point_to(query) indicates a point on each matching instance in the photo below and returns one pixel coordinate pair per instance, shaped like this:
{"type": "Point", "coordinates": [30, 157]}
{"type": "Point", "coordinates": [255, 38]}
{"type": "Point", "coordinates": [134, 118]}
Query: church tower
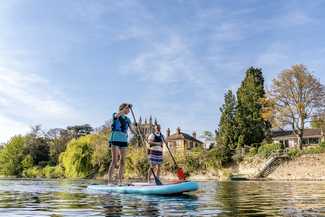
{"type": "Point", "coordinates": [147, 127]}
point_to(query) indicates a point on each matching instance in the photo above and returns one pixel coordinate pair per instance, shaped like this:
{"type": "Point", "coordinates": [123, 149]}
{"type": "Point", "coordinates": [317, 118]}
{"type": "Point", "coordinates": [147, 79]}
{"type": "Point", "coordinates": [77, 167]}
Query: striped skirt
{"type": "Point", "coordinates": [156, 157]}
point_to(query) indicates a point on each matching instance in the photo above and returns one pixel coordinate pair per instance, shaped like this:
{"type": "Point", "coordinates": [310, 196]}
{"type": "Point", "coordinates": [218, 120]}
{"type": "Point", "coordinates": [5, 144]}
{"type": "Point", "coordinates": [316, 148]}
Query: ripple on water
{"type": "Point", "coordinates": [45, 197]}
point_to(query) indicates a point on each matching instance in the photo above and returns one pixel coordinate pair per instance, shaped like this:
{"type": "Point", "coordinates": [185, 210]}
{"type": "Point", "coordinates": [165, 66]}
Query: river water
{"type": "Point", "coordinates": [70, 197]}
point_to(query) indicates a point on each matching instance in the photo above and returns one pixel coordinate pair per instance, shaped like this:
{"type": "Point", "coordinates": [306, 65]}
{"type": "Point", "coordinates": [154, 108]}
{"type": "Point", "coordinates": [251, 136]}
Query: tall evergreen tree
{"type": "Point", "coordinates": [250, 125]}
{"type": "Point", "coordinates": [226, 132]}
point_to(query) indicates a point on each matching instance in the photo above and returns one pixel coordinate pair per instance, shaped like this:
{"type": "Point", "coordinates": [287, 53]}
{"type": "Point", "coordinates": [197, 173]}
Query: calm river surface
{"type": "Point", "coordinates": [68, 197]}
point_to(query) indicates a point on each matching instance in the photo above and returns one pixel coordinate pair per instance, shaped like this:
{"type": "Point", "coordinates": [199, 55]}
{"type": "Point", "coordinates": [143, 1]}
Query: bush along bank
{"type": "Point", "coordinates": [90, 157]}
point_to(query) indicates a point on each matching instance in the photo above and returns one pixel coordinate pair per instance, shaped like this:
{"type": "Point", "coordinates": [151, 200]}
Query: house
{"type": "Point", "coordinates": [182, 141]}
{"type": "Point", "coordinates": [289, 139]}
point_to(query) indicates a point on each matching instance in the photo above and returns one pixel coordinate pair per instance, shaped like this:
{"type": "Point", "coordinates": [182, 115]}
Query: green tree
{"type": "Point", "coordinates": [58, 139]}
{"type": "Point", "coordinates": [11, 156]}
{"type": "Point", "coordinates": [28, 162]}
{"type": "Point", "coordinates": [80, 130]}
{"type": "Point", "coordinates": [226, 134]}
{"type": "Point", "coordinates": [87, 156]}
{"type": "Point", "coordinates": [77, 158]}
{"type": "Point", "coordinates": [251, 127]}
{"type": "Point", "coordinates": [36, 145]}
{"type": "Point", "coordinates": [317, 122]}
{"type": "Point", "coordinates": [295, 97]}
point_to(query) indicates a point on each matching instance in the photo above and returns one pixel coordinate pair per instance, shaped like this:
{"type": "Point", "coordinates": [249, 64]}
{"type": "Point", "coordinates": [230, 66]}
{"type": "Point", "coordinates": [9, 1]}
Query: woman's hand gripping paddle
{"type": "Point", "coordinates": [180, 173]}
{"type": "Point", "coordinates": [158, 182]}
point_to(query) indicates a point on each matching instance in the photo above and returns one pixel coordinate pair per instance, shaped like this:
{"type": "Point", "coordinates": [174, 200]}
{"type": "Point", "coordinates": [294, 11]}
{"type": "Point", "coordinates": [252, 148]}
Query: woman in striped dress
{"type": "Point", "coordinates": [155, 156]}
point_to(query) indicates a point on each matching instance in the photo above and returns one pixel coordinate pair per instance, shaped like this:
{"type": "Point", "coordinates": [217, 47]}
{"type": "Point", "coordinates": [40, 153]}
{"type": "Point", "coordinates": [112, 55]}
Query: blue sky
{"type": "Point", "coordinates": [74, 62]}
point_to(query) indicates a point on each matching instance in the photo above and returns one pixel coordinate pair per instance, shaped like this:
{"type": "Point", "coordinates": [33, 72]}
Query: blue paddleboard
{"type": "Point", "coordinates": [153, 189]}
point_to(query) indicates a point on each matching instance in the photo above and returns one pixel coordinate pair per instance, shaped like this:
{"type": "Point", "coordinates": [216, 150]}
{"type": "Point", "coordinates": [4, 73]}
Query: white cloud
{"type": "Point", "coordinates": [30, 96]}
{"type": "Point", "coordinates": [9, 128]}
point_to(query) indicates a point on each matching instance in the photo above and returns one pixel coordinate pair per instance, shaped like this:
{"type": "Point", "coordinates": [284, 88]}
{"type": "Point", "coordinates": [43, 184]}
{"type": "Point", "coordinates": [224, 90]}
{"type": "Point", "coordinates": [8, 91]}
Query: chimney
{"type": "Point", "coordinates": [194, 135]}
{"type": "Point", "coordinates": [178, 131]}
{"type": "Point", "coordinates": [168, 132]}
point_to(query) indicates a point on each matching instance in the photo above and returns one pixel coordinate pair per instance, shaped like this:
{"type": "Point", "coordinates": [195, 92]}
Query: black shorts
{"type": "Point", "coordinates": [119, 144]}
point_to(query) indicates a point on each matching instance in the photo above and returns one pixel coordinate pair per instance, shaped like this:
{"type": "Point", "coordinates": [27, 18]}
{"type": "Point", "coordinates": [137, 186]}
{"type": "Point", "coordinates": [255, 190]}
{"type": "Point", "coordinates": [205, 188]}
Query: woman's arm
{"type": "Point", "coordinates": [133, 130]}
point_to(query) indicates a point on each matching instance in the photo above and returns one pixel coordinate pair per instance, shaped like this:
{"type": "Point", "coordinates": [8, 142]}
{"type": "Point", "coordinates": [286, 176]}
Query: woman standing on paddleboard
{"type": "Point", "coordinates": [155, 156]}
{"type": "Point", "coordinates": [119, 142]}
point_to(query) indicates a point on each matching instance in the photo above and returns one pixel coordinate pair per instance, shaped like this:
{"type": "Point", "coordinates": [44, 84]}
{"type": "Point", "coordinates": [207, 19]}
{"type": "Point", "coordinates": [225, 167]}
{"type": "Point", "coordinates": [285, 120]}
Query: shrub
{"type": "Point", "coordinates": [321, 145]}
{"type": "Point", "coordinates": [221, 156]}
{"type": "Point", "coordinates": [136, 163]}
{"type": "Point", "coordinates": [253, 150]}
{"type": "Point", "coordinates": [33, 172]}
{"type": "Point", "coordinates": [255, 145]}
{"type": "Point", "coordinates": [226, 173]}
{"type": "Point", "coordinates": [237, 157]}
{"type": "Point", "coordinates": [293, 152]}
{"type": "Point", "coordinates": [310, 147]}
{"type": "Point", "coordinates": [53, 172]}
{"type": "Point", "coordinates": [266, 149]}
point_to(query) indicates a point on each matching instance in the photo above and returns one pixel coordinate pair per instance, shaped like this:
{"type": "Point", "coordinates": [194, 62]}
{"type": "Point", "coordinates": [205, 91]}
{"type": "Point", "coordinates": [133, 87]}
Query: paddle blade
{"type": "Point", "coordinates": [158, 182]}
{"type": "Point", "coordinates": [180, 174]}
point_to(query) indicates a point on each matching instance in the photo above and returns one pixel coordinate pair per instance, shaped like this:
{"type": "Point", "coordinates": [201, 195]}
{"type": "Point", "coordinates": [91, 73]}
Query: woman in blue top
{"type": "Point", "coordinates": [118, 141]}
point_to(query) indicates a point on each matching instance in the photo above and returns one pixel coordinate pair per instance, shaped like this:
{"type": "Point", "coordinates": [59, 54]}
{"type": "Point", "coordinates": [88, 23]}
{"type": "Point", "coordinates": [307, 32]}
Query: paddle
{"type": "Point", "coordinates": [158, 182]}
{"type": "Point", "coordinates": [180, 173]}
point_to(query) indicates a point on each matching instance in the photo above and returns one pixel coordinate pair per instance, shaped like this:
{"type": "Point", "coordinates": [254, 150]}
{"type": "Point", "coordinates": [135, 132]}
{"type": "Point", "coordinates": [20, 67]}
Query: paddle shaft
{"type": "Point", "coordinates": [180, 173]}
{"type": "Point", "coordinates": [168, 149]}
{"type": "Point", "coordinates": [158, 182]}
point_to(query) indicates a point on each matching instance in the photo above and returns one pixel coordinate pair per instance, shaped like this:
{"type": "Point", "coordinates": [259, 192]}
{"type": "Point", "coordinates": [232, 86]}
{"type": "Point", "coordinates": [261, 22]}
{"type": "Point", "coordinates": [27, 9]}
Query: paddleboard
{"type": "Point", "coordinates": [154, 184]}
{"type": "Point", "coordinates": [149, 189]}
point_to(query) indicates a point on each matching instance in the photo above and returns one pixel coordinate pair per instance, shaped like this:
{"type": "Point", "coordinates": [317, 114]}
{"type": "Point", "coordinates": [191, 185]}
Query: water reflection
{"type": "Point", "coordinates": [50, 197]}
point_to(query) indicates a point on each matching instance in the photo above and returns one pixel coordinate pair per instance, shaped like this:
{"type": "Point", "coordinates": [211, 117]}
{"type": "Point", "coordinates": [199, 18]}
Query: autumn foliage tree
{"type": "Point", "coordinates": [294, 98]}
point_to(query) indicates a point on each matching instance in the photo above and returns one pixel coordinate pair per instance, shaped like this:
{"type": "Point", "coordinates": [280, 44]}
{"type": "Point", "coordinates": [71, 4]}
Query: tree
{"type": "Point", "coordinates": [36, 145]}
{"type": "Point", "coordinates": [317, 122]}
{"type": "Point", "coordinates": [11, 156]}
{"type": "Point", "coordinates": [208, 138]}
{"type": "Point", "coordinates": [226, 133]}
{"type": "Point", "coordinates": [250, 126]}
{"type": "Point", "coordinates": [294, 98]}
{"type": "Point", "coordinates": [58, 139]}
{"type": "Point", "coordinates": [80, 130]}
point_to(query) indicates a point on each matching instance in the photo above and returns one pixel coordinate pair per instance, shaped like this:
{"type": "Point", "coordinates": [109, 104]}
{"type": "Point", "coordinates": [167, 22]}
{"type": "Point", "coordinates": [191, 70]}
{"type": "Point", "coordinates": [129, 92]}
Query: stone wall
{"type": "Point", "coordinates": [305, 167]}
{"type": "Point", "coordinates": [247, 167]}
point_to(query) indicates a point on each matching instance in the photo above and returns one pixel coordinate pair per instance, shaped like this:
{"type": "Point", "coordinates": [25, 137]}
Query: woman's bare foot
{"type": "Point", "coordinates": [110, 184]}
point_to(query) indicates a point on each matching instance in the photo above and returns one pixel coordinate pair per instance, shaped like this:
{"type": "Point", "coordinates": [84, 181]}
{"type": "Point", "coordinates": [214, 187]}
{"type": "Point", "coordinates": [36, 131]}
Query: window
{"type": "Point", "coordinates": [188, 144]}
{"type": "Point", "coordinates": [178, 143]}
{"type": "Point", "coordinates": [313, 141]}
{"type": "Point", "coordinates": [305, 141]}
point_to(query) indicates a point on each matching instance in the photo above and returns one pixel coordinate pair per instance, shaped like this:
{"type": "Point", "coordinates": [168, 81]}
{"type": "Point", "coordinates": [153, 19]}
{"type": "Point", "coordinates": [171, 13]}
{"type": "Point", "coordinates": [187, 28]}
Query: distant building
{"type": "Point", "coordinates": [182, 141]}
{"type": "Point", "coordinates": [289, 139]}
{"type": "Point", "coordinates": [147, 128]}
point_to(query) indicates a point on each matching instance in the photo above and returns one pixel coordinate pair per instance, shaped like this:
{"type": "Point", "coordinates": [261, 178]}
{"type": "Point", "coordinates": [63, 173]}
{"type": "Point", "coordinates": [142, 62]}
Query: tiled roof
{"type": "Point", "coordinates": [290, 134]}
{"type": "Point", "coordinates": [182, 136]}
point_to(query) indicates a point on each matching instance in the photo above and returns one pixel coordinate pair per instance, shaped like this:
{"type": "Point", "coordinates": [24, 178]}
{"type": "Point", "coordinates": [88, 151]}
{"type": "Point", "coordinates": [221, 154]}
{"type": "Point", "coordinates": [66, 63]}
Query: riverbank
{"type": "Point", "coordinates": [308, 167]}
